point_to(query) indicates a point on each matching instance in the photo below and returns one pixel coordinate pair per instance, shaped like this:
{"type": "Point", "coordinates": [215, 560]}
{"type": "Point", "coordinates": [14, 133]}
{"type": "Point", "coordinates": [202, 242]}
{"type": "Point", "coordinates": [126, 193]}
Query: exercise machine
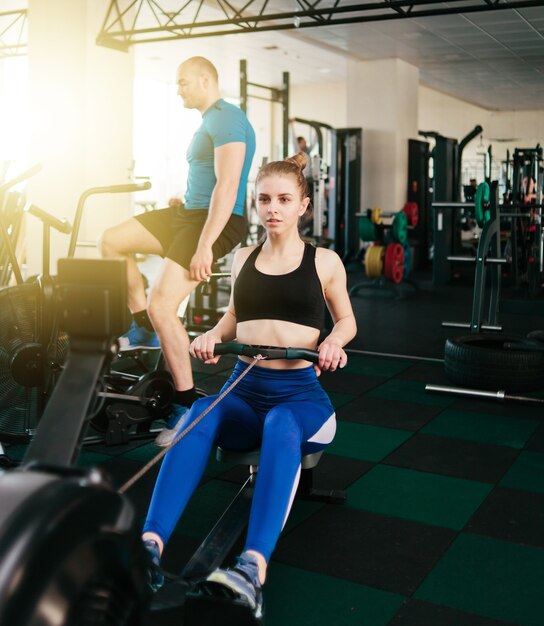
{"type": "Point", "coordinates": [69, 541]}
{"type": "Point", "coordinates": [32, 349]}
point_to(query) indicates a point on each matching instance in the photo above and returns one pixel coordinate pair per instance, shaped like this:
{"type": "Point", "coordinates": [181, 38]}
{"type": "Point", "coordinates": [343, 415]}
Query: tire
{"type": "Point", "coordinates": [485, 361]}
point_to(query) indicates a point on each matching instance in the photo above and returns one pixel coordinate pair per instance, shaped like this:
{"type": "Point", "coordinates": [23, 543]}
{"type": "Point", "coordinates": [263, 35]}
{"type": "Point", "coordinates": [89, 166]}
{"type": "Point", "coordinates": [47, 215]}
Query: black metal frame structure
{"type": "Point", "coordinates": [129, 22]}
{"type": "Point", "coordinates": [279, 95]}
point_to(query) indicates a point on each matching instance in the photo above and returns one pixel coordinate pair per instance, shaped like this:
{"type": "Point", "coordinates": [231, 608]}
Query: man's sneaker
{"type": "Point", "coordinates": [155, 578]}
{"type": "Point", "coordinates": [138, 337]}
{"type": "Point", "coordinates": [243, 579]}
{"type": "Point", "coordinates": [175, 422]}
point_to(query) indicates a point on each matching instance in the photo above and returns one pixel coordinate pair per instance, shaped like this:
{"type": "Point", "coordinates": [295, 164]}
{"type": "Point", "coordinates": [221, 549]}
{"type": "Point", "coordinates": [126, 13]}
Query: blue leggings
{"type": "Point", "coordinates": [286, 412]}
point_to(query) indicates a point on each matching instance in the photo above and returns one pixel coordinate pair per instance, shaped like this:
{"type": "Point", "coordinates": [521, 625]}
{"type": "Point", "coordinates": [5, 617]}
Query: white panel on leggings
{"type": "Point", "coordinates": [326, 433]}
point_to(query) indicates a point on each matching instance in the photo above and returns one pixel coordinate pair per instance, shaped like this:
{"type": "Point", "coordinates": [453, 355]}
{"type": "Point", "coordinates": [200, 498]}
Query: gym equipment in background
{"type": "Point", "coordinates": [32, 349]}
{"type": "Point", "coordinates": [388, 259]}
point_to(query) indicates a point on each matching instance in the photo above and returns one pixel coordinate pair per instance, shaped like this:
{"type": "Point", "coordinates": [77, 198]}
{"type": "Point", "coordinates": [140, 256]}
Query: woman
{"type": "Point", "coordinates": [279, 292]}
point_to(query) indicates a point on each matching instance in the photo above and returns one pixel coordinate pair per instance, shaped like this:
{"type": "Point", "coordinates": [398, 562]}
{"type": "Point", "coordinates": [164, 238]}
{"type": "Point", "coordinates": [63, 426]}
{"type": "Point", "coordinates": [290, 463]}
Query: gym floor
{"type": "Point", "coordinates": [444, 519]}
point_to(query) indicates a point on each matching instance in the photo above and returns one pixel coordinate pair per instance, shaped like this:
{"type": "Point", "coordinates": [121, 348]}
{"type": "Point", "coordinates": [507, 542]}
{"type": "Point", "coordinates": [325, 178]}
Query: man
{"type": "Point", "coordinates": [190, 237]}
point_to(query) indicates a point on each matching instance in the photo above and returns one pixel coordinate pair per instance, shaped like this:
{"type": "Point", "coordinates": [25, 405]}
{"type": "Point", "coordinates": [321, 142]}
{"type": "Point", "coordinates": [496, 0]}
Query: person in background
{"type": "Point", "coordinates": [191, 235]}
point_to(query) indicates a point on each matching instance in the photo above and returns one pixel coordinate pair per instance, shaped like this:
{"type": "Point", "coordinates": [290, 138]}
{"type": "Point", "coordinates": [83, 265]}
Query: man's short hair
{"type": "Point", "coordinates": [200, 64]}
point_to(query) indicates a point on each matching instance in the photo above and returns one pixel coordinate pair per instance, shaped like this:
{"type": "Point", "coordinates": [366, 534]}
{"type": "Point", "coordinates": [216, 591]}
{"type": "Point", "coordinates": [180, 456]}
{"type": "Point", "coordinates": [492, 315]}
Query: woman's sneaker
{"type": "Point", "coordinates": [243, 579]}
{"type": "Point", "coordinates": [138, 337]}
{"type": "Point", "coordinates": [175, 422]}
{"type": "Point", "coordinates": [155, 578]}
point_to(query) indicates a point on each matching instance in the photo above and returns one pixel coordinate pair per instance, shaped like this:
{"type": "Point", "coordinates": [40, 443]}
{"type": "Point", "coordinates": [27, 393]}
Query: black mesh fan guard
{"type": "Point", "coordinates": [21, 405]}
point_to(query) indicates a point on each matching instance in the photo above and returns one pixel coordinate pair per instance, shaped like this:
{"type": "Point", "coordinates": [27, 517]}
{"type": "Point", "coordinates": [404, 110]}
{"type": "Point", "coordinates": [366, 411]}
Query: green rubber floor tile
{"type": "Point", "coordinates": [89, 459]}
{"type": "Point", "coordinates": [143, 453]}
{"type": "Point", "coordinates": [365, 442]}
{"type": "Point", "coordinates": [408, 391]}
{"type": "Point", "coordinates": [526, 473]}
{"type": "Point", "coordinates": [489, 577]}
{"type": "Point", "coordinates": [16, 452]}
{"type": "Point", "coordinates": [340, 399]}
{"type": "Point", "coordinates": [483, 427]}
{"type": "Point", "coordinates": [418, 496]}
{"type": "Point", "coordinates": [375, 366]}
{"type": "Point", "coordinates": [215, 467]}
{"type": "Point", "coordinates": [293, 596]}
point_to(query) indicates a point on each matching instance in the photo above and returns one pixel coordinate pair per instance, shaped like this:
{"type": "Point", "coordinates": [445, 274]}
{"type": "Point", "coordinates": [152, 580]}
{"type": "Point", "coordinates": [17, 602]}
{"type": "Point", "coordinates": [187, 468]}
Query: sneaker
{"type": "Point", "coordinates": [243, 579]}
{"type": "Point", "coordinates": [155, 578]}
{"type": "Point", "coordinates": [175, 422]}
{"type": "Point", "coordinates": [138, 337]}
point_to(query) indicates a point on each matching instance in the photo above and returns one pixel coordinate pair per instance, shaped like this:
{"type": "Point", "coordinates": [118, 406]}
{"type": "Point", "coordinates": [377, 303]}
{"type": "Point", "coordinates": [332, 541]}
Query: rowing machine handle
{"type": "Point", "coordinates": [270, 352]}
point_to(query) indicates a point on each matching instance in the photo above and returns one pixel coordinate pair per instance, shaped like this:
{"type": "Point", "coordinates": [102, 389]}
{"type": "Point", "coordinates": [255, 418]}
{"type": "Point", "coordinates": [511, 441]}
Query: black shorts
{"type": "Point", "coordinates": [178, 231]}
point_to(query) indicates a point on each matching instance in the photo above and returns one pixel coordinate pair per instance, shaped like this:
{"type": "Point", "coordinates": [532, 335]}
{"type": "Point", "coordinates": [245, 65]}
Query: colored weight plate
{"type": "Point", "coordinates": [376, 215]}
{"type": "Point", "coordinates": [481, 204]}
{"type": "Point", "coordinates": [394, 262]}
{"type": "Point", "coordinates": [374, 261]}
{"type": "Point", "coordinates": [367, 229]}
{"type": "Point", "coordinates": [407, 260]}
{"type": "Point", "coordinates": [412, 212]}
{"type": "Point", "coordinates": [399, 228]}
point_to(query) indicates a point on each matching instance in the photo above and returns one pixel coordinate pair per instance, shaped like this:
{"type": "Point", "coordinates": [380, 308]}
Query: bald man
{"type": "Point", "coordinates": [210, 224]}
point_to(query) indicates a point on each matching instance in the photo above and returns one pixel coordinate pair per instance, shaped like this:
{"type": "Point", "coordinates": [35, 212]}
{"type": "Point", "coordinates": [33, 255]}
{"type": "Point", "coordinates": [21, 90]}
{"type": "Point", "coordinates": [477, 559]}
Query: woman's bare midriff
{"type": "Point", "coordinates": [280, 334]}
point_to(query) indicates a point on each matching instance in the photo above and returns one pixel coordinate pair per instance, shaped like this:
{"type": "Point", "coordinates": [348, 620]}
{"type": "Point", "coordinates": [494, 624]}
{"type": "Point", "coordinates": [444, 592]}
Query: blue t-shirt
{"type": "Point", "coordinates": [221, 123]}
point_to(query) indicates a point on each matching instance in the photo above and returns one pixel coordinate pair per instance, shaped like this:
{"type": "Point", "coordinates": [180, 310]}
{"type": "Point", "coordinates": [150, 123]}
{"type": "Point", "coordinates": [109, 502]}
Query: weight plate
{"type": "Point", "coordinates": [481, 204]}
{"type": "Point", "coordinates": [412, 212]}
{"type": "Point", "coordinates": [367, 229]}
{"type": "Point", "coordinates": [394, 262]}
{"type": "Point", "coordinates": [374, 261]}
{"type": "Point", "coordinates": [376, 215]}
{"type": "Point", "coordinates": [399, 228]}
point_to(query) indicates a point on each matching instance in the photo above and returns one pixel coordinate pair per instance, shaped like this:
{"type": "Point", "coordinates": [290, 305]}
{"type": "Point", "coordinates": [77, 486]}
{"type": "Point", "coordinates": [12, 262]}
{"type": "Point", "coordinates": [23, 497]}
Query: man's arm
{"type": "Point", "coordinates": [228, 164]}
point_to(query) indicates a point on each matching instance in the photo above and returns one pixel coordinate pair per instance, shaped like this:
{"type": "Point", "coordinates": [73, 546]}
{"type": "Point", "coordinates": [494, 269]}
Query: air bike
{"type": "Point", "coordinates": [70, 547]}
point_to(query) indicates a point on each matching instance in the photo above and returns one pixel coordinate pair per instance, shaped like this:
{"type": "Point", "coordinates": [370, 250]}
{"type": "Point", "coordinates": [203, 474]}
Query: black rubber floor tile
{"type": "Point", "coordinates": [511, 515]}
{"type": "Point", "coordinates": [338, 472]}
{"type": "Point", "coordinates": [454, 457]}
{"type": "Point", "coordinates": [346, 382]}
{"type": "Point", "coordinates": [431, 372]}
{"type": "Point", "coordinates": [332, 472]}
{"type": "Point", "coordinates": [419, 613]}
{"type": "Point", "coordinates": [536, 442]}
{"type": "Point", "coordinates": [120, 470]}
{"type": "Point", "coordinates": [388, 413]}
{"type": "Point", "coordinates": [381, 552]}
{"type": "Point", "coordinates": [496, 407]}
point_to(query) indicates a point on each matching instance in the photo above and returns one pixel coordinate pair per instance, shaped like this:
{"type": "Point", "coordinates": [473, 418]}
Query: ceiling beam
{"type": "Point", "coordinates": [130, 22]}
{"type": "Point", "coordinates": [13, 33]}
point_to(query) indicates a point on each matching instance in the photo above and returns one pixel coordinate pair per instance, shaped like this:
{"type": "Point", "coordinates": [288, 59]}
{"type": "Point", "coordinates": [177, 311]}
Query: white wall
{"type": "Point", "coordinates": [503, 130]}
{"type": "Point", "coordinates": [81, 120]}
{"type": "Point", "coordinates": [321, 102]}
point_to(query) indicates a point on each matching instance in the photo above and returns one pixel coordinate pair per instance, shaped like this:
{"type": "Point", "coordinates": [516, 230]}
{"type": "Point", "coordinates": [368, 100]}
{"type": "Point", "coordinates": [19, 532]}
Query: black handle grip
{"type": "Point", "coordinates": [269, 352]}
{"type": "Point", "coordinates": [63, 226]}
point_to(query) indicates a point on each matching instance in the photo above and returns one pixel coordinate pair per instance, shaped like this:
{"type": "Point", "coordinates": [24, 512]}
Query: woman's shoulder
{"type": "Point", "coordinates": [327, 256]}
{"type": "Point", "coordinates": [240, 257]}
{"type": "Point", "coordinates": [327, 262]}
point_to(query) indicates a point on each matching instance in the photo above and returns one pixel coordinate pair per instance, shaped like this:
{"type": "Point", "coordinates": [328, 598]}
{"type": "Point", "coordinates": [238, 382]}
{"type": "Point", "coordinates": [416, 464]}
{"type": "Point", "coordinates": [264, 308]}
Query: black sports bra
{"type": "Point", "coordinates": [293, 297]}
